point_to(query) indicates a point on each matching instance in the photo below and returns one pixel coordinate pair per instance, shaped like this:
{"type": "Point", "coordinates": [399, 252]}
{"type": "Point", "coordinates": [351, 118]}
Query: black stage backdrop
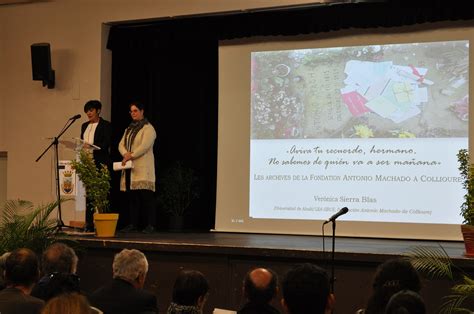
{"type": "Point", "coordinates": [178, 86]}
{"type": "Point", "coordinates": [170, 65]}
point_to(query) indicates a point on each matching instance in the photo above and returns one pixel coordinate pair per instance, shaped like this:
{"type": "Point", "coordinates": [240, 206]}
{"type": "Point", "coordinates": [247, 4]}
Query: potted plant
{"type": "Point", "coordinates": [24, 225]}
{"type": "Point", "coordinates": [177, 191]}
{"type": "Point", "coordinates": [435, 263]}
{"type": "Point", "coordinates": [467, 208]}
{"type": "Point", "coordinates": [97, 184]}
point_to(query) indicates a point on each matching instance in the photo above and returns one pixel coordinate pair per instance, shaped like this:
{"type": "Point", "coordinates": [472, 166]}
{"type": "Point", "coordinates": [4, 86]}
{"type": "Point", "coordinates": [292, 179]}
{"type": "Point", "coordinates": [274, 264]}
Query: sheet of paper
{"type": "Point", "coordinates": [118, 165]}
{"type": "Point", "coordinates": [222, 311]}
{"type": "Point", "coordinates": [382, 106]}
{"type": "Point", "coordinates": [355, 103]}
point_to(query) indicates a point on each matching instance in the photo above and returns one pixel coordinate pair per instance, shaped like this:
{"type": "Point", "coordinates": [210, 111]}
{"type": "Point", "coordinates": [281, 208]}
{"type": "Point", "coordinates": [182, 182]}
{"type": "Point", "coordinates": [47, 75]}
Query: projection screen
{"type": "Point", "coordinates": [371, 122]}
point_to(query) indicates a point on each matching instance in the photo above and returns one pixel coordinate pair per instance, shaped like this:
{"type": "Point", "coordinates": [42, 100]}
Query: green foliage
{"type": "Point", "coordinates": [436, 263]}
{"type": "Point", "coordinates": [453, 304]}
{"type": "Point", "coordinates": [433, 262]}
{"type": "Point", "coordinates": [96, 181]}
{"type": "Point", "coordinates": [467, 173]}
{"type": "Point", "coordinates": [23, 225]}
{"type": "Point", "coordinates": [178, 189]}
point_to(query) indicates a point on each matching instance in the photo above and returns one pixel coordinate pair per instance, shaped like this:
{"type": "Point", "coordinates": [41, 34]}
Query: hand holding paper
{"type": "Point", "coordinates": [119, 166]}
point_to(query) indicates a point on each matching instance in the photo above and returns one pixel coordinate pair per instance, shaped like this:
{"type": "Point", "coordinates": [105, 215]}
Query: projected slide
{"type": "Point", "coordinates": [372, 128]}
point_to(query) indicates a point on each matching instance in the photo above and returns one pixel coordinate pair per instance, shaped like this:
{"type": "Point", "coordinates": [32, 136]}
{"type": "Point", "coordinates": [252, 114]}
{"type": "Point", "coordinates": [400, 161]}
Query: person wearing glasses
{"type": "Point", "coordinates": [138, 181]}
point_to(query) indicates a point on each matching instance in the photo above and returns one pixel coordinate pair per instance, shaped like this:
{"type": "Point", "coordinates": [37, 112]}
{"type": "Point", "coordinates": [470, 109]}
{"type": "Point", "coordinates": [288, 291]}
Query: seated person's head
{"type": "Point", "coordinates": [59, 258]}
{"type": "Point", "coordinates": [390, 277]}
{"type": "Point", "coordinates": [3, 258]}
{"type": "Point", "coordinates": [21, 268]}
{"type": "Point", "coordinates": [67, 303]}
{"type": "Point", "coordinates": [190, 290]}
{"type": "Point", "coordinates": [397, 273]}
{"type": "Point", "coordinates": [405, 302]}
{"type": "Point", "coordinates": [260, 285]}
{"type": "Point", "coordinates": [131, 266]}
{"type": "Point", "coordinates": [306, 290]}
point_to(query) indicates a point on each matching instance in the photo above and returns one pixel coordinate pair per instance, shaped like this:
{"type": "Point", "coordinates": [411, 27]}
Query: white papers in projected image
{"type": "Point", "coordinates": [411, 90]}
{"type": "Point", "coordinates": [392, 91]}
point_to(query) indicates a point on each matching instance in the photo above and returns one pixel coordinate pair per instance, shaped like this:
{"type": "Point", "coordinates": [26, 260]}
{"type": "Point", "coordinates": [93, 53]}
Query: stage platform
{"type": "Point", "coordinates": [225, 258]}
{"type": "Point", "coordinates": [268, 244]}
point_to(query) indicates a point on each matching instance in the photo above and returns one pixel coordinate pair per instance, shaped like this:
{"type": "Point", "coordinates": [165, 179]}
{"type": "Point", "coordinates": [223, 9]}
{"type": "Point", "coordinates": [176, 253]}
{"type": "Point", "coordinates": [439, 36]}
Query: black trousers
{"type": "Point", "coordinates": [142, 208]}
{"type": "Point", "coordinates": [141, 204]}
{"type": "Point", "coordinates": [89, 215]}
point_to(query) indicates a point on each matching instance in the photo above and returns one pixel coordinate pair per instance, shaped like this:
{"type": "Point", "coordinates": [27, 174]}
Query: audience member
{"type": "Point", "coordinates": [59, 264]}
{"type": "Point", "coordinates": [69, 303]}
{"type": "Point", "coordinates": [124, 294]}
{"type": "Point", "coordinates": [21, 272]}
{"type": "Point", "coordinates": [390, 277]}
{"type": "Point", "coordinates": [306, 290]}
{"type": "Point", "coordinates": [406, 302]}
{"type": "Point", "coordinates": [3, 258]}
{"type": "Point", "coordinates": [189, 293]}
{"type": "Point", "coordinates": [260, 286]}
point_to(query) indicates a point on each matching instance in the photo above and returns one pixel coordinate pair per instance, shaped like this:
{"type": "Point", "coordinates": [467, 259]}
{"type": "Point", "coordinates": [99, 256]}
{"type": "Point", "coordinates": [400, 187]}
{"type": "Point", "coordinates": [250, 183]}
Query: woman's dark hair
{"type": "Point", "coordinates": [56, 284]}
{"type": "Point", "coordinates": [392, 276]}
{"type": "Point", "coordinates": [92, 104]}
{"type": "Point", "coordinates": [306, 289]}
{"type": "Point", "coordinates": [137, 104]}
{"type": "Point", "coordinates": [189, 286]}
{"type": "Point", "coordinates": [406, 302]}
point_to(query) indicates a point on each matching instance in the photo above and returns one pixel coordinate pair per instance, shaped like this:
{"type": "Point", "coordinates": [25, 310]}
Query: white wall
{"type": "Point", "coordinates": [29, 113]}
{"type": "Point", "coordinates": [3, 179]}
{"type": "Point", "coordinates": [2, 89]}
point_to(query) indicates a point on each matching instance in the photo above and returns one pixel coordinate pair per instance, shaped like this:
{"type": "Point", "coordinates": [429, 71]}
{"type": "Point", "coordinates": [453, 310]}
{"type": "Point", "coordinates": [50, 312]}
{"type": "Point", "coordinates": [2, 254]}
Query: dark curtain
{"type": "Point", "coordinates": [176, 79]}
{"type": "Point", "coordinates": [171, 66]}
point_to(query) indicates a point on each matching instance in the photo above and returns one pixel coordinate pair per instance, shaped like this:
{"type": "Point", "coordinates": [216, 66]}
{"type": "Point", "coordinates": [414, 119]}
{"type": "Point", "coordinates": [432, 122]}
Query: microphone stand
{"type": "Point", "coordinates": [332, 255]}
{"type": "Point", "coordinates": [55, 142]}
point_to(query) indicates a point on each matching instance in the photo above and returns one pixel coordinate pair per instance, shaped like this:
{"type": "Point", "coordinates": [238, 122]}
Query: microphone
{"type": "Point", "coordinates": [341, 212]}
{"type": "Point", "coordinates": [77, 116]}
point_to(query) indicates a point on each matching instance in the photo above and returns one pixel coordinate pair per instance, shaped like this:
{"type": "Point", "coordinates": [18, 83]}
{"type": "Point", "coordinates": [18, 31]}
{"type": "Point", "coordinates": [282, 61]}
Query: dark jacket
{"type": "Point", "coordinates": [102, 138]}
{"type": "Point", "coordinates": [120, 297]}
{"type": "Point", "coordinates": [54, 284]}
{"type": "Point", "coordinates": [258, 308]}
{"type": "Point", "coordinates": [14, 301]}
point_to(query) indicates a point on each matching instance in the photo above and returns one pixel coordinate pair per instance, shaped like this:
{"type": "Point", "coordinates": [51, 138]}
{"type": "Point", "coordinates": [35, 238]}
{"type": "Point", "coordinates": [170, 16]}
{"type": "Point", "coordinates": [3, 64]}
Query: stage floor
{"type": "Point", "coordinates": [270, 245]}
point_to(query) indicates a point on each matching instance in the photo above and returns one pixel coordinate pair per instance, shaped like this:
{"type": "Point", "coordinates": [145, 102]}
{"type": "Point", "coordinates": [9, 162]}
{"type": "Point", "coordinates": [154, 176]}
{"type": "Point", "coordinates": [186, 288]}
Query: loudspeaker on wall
{"type": "Point", "coordinates": [41, 64]}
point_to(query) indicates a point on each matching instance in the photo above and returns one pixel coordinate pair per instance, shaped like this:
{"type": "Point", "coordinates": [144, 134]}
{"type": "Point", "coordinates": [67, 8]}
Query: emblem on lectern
{"type": "Point", "coordinates": [67, 185]}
